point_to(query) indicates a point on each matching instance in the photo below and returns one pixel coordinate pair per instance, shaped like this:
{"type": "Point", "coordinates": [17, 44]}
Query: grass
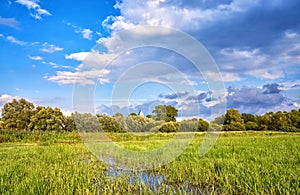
{"type": "Point", "coordinates": [239, 163]}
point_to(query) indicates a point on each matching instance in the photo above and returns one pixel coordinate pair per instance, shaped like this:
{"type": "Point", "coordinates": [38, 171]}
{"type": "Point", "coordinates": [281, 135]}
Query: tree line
{"type": "Point", "coordinates": [22, 115]}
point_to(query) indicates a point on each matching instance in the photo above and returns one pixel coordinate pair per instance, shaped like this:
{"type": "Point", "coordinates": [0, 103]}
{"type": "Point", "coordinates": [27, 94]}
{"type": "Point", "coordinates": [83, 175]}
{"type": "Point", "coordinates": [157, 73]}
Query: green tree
{"type": "Point", "coordinates": [69, 123]}
{"type": "Point", "coordinates": [169, 127]}
{"type": "Point", "coordinates": [165, 112]}
{"type": "Point", "coordinates": [16, 114]}
{"type": "Point", "coordinates": [233, 121]}
{"type": "Point", "coordinates": [202, 125]}
{"type": "Point", "coordinates": [219, 120]}
{"type": "Point", "coordinates": [108, 123]}
{"type": "Point", "coordinates": [248, 117]}
{"type": "Point", "coordinates": [189, 125]}
{"type": "Point", "coordinates": [47, 119]}
{"type": "Point", "coordinates": [86, 122]}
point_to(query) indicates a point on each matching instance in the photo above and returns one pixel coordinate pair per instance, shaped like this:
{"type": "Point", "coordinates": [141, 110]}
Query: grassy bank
{"type": "Point", "coordinates": [239, 163]}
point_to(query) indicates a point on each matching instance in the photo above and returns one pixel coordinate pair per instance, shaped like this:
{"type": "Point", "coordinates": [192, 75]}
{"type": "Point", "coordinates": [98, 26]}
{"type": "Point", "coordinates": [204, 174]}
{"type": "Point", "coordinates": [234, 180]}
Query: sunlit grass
{"type": "Point", "coordinates": [239, 163]}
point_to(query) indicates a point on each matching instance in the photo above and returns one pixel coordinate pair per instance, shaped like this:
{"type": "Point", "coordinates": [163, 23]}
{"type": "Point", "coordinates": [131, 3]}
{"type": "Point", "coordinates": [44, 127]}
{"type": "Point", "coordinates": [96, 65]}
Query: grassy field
{"type": "Point", "coordinates": [239, 163]}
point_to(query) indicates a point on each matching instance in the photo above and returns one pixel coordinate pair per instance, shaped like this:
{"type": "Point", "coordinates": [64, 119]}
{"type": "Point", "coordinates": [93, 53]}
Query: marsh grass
{"type": "Point", "coordinates": [239, 163]}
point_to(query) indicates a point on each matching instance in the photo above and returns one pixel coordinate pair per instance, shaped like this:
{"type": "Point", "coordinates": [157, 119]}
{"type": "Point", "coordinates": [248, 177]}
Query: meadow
{"type": "Point", "coordinates": [239, 163]}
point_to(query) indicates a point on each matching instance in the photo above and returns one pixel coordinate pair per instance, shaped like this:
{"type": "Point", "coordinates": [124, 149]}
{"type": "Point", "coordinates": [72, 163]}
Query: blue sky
{"type": "Point", "coordinates": [256, 45]}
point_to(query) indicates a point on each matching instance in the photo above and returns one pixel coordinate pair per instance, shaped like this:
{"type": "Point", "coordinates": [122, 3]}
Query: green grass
{"type": "Point", "coordinates": [239, 163]}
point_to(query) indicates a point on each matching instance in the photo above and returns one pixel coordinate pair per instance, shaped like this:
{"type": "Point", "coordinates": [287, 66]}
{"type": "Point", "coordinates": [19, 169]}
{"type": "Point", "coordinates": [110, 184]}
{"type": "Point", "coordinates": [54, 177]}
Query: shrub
{"type": "Point", "coordinates": [169, 127]}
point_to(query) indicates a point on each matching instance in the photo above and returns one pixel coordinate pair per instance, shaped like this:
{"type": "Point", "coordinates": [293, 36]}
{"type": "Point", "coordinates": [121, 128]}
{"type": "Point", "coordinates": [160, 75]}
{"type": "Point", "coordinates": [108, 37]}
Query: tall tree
{"type": "Point", "coordinates": [233, 121]}
{"type": "Point", "coordinates": [165, 112]}
{"type": "Point", "coordinates": [47, 119]}
{"type": "Point", "coordinates": [16, 114]}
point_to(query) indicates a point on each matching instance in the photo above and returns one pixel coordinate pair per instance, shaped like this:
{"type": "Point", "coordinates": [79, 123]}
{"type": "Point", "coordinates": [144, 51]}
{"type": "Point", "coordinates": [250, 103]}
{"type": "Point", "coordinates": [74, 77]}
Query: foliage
{"type": "Point", "coordinates": [250, 125]}
{"type": "Point", "coordinates": [202, 125]}
{"type": "Point", "coordinates": [165, 112]}
{"type": "Point", "coordinates": [16, 114]}
{"type": "Point", "coordinates": [108, 123]}
{"type": "Point", "coordinates": [168, 127]}
{"type": "Point", "coordinates": [233, 121]}
{"type": "Point", "coordinates": [135, 123]}
{"type": "Point", "coordinates": [86, 122]}
{"type": "Point", "coordinates": [70, 123]}
{"type": "Point", "coordinates": [189, 125]}
{"type": "Point", "coordinates": [21, 115]}
{"type": "Point", "coordinates": [219, 120]}
{"type": "Point", "coordinates": [46, 119]}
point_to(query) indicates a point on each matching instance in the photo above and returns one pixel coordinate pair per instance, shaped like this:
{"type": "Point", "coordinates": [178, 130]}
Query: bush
{"type": "Point", "coordinates": [251, 125]}
{"type": "Point", "coordinates": [188, 125]}
{"type": "Point", "coordinates": [289, 129]}
{"type": "Point", "coordinates": [169, 127]}
{"type": "Point", "coordinates": [234, 126]}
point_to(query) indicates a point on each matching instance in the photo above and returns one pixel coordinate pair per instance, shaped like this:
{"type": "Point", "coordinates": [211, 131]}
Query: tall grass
{"type": "Point", "coordinates": [239, 163]}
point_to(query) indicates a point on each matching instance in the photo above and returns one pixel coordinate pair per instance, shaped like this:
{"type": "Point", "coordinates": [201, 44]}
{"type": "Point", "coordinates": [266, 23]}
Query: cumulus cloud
{"type": "Point", "coordinates": [227, 29]}
{"type": "Point", "coordinates": [50, 48]}
{"type": "Point", "coordinates": [7, 98]}
{"type": "Point", "coordinates": [79, 56]}
{"type": "Point", "coordinates": [84, 78]}
{"type": "Point", "coordinates": [259, 100]}
{"type": "Point", "coordinates": [271, 88]}
{"type": "Point", "coordinates": [35, 9]}
{"type": "Point", "coordinates": [11, 22]}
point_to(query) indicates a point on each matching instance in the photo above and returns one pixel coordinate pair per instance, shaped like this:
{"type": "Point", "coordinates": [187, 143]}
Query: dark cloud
{"type": "Point", "coordinates": [174, 95]}
{"type": "Point", "coordinates": [271, 88]}
{"type": "Point", "coordinates": [198, 97]}
{"type": "Point", "coordinates": [252, 99]}
{"type": "Point", "coordinates": [196, 3]}
{"type": "Point", "coordinates": [257, 27]}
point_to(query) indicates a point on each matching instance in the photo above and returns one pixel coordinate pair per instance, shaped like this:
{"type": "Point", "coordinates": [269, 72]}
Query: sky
{"type": "Point", "coordinates": [58, 53]}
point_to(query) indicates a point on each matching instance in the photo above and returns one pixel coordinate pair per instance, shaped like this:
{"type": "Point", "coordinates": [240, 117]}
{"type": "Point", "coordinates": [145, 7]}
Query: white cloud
{"type": "Point", "coordinates": [84, 78]}
{"type": "Point", "coordinates": [16, 41]}
{"type": "Point", "coordinates": [225, 76]}
{"type": "Point", "coordinates": [79, 56]}
{"type": "Point", "coordinates": [50, 48]}
{"type": "Point", "coordinates": [7, 98]}
{"type": "Point", "coordinates": [36, 11]}
{"type": "Point", "coordinates": [11, 22]}
{"type": "Point", "coordinates": [86, 32]}
{"type": "Point", "coordinates": [171, 14]}
{"type": "Point", "coordinates": [54, 65]}
{"type": "Point", "coordinates": [36, 57]}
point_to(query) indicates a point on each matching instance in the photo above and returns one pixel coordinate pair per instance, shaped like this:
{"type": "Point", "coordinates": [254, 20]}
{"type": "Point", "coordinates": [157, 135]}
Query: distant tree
{"type": "Point", "coordinates": [86, 122]}
{"type": "Point", "coordinates": [133, 114]}
{"type": "Point", "coordinates": [294, 117]}
{"type": "Point", "coordinates": [132, 123]}
{"type": "Point", "coordinates": [248, 117]}
{"type": "Point", "coordinates": [262, 121]}
{"type": "Point", "coordinates": [233, 121]}
{"type": "Point", "coordinates": [118, 114]}
{"type": "Point", "coordinates": [47, 119]}
{"type": "Point", "coordinates": [189, 125]}
{"type": "Point", "coordinates": [169, 127]}
{"type": "Point", "coordinates": [219, 120]}
{"type": "Point", "coordinates": [165, 112]}
{"type": "Point", "coordinates": [69, 123]}
{"type": "Point", "coordinates": [109, 124]}
{"type": "Point", "coordinates": [202, 125]}
{"type": "Point", "coordinates": [250, 125]}
{"type": "Point", "coordinates": [1, 124]}
{"type": "Point", "coordinates": [16, 114]}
